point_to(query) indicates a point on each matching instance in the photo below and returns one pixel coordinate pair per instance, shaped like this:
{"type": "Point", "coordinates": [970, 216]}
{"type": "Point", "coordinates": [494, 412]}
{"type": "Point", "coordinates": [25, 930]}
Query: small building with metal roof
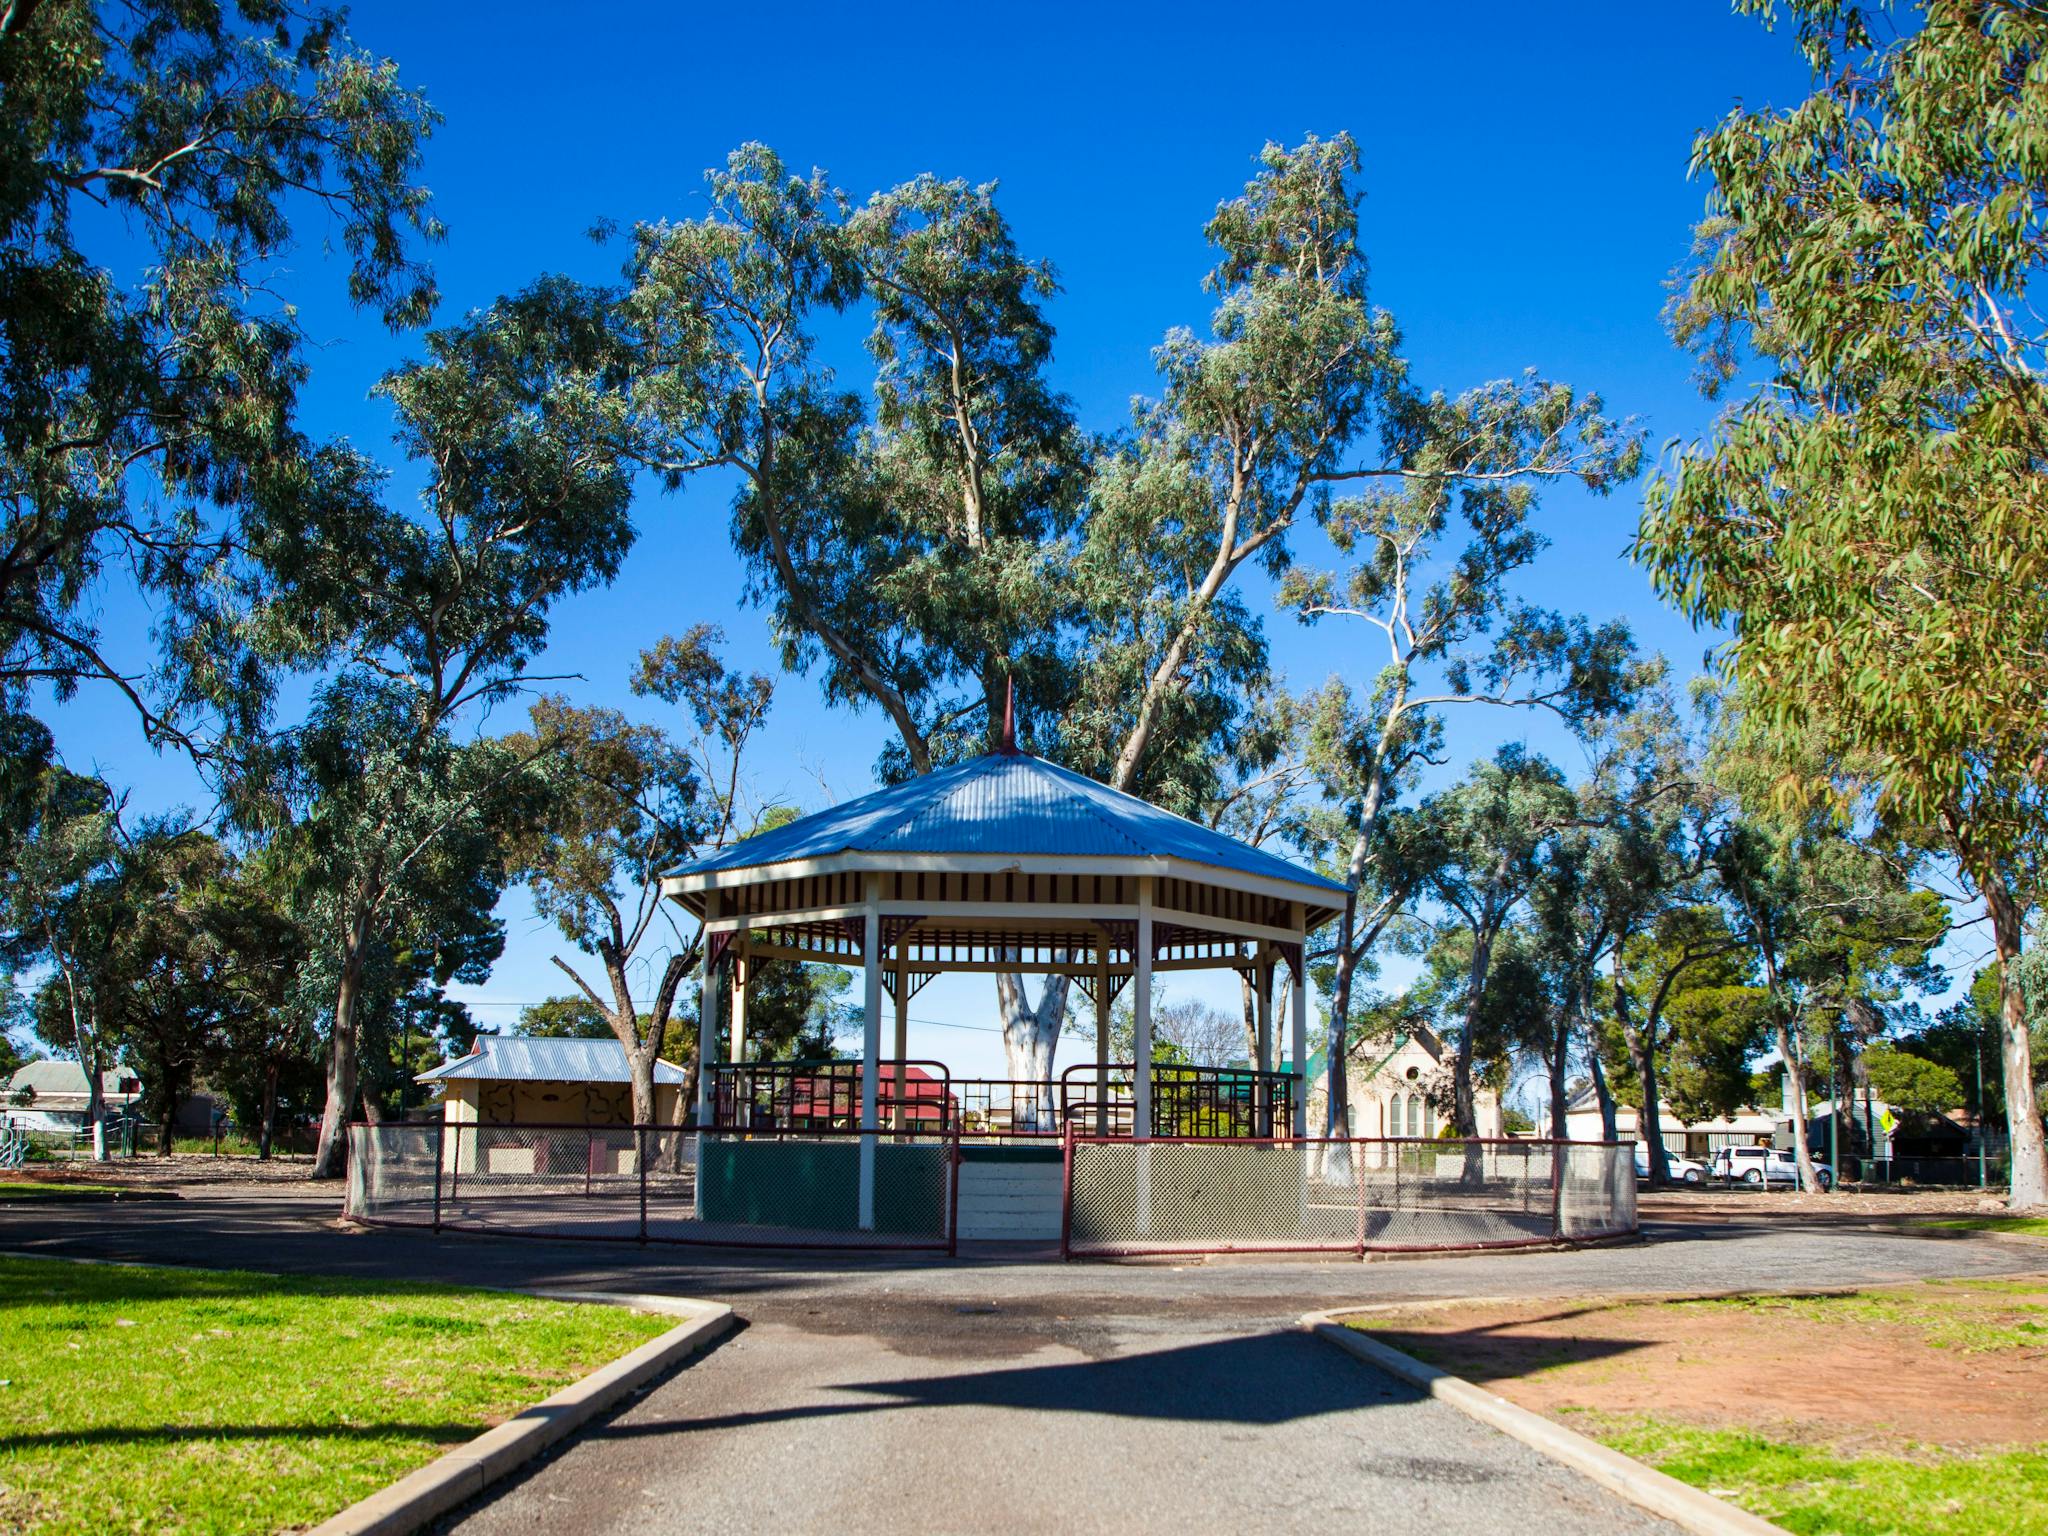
{"type": "Point", "coordinates": [518, 1080]}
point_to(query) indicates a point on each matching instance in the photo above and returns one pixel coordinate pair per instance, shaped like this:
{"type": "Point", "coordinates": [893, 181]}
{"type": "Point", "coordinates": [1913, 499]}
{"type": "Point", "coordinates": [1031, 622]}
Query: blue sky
{"type": "Point", "coordinates": [1527, 198]}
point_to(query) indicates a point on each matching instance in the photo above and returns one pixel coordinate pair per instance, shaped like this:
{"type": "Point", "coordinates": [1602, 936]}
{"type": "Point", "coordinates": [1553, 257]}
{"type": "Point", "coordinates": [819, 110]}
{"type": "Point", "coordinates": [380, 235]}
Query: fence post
{"type": "Point", "coordinates": [1354, 1153]}
{"type": "Point", "coordinates": [440, 1157]}
{"type": "Point", "coordinates": [1558, 1152]}
{"type": "Point", "coordinates": [953, 1201]}
{"type": "Point", "coordinates": [640, 1168]}
{"type": "Point", "coordinates": [1067, 1197]}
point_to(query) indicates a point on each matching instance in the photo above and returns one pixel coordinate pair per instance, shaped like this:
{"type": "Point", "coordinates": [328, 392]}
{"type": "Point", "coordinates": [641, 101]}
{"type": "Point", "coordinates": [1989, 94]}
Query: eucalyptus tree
{"type": "Point", "coordinates": [62, 844]}
{"type": "Point", "coordinates": [1651, 824]}
{"type": "Point", "coordinates": [1652, 967]}
{"type": "Point", "coordinates": [624, 801]}
{"type": "Point", "coordinates": [966, 533]}
{"type": "Point", "coordinates": [419, 620]}
{"type": "Point", "coordinates": [1492, 835]}
{"type": "Point", "coordinates": [1866, 518]}
{"type": "Point", "coordinates": [149, 423]}
{"type": "Point", "coordinates": [1372, 750]}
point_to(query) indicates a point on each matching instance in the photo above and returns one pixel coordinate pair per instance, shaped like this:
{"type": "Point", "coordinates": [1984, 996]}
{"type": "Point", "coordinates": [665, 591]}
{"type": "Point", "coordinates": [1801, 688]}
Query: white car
{"type": "Point", "coordinates": [1758, 1166]}
{"type": "Point", "coordinates": [1683, 1169]}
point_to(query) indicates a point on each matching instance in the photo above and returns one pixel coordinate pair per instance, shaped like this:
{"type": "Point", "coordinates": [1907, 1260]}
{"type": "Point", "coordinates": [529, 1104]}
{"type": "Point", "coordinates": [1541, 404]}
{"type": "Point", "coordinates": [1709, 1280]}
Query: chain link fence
{"type": "Point", "coordinates": [641, 1184]}
{"type": "Point", "coordinates": [1344, 1195]}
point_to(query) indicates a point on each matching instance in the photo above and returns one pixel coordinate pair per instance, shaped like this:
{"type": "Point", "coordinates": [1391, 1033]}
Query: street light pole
{"type": "Point", "coordinates": [1977, 1039]}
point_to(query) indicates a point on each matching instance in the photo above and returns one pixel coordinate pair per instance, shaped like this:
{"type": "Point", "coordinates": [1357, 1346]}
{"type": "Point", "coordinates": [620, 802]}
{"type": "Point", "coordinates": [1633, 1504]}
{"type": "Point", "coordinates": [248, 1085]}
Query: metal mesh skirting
{"type": "Point", "coordinates": [1358, 1196]}
{"type": "Point", "coordinates": [641, 1184]}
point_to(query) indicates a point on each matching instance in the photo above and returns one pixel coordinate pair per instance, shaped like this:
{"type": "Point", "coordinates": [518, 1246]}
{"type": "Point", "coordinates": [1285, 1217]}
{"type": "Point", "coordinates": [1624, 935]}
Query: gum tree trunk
{"type": "Point", "coordinates": [1031, 1038]}
{"type": "Point", "coordinates": [330, 1156]}
{"type": "Point", "coordinates": [2016, 1051]}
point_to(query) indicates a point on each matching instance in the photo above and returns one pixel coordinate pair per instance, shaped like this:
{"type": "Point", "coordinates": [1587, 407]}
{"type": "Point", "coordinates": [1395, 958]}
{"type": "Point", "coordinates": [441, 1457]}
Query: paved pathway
{"type": "Point", "coordinates": [911, 1395]}
{"type": "Point", "coordinates": [984, 1427]}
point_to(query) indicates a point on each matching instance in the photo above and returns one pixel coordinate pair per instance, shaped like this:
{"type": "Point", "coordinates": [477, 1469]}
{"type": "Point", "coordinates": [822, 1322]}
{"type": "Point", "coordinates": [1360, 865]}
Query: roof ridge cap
{"type": "Point", "coordinates": [1089, 805]}
{"type": "Point", "coordinates": [924, 779]}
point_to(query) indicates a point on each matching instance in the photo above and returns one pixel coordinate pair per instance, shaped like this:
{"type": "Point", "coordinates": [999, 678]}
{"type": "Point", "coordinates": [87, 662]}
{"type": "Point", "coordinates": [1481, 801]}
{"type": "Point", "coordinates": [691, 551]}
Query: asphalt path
{"type": "Point", "coordinates": [967, 1424]}
{"type": "Point", "coordinates": [911, 1394]}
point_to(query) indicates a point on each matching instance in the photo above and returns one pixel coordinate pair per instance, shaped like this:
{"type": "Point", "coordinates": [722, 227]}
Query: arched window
{"type": "Point", "coordinates": [1428, 1120]}
{"type": "Point", "coordinates": [1414, 1115]}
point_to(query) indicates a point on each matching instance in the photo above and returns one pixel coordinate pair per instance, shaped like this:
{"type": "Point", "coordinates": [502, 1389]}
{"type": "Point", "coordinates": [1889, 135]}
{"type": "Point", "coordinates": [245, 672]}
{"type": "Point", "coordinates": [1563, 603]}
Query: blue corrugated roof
{"type": "Point", "coordinates": [515, 1058]}
{"type": "Point", "coordinates": [1003, 803]}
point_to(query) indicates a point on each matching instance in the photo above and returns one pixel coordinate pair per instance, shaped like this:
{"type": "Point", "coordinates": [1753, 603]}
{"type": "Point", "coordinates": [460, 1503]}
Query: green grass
{"type": "Point", "coordinates": [1970, 1330]}
{"type": "Point", "coordinates": [230, 1146]}
{"type": "Point", "coordinates": [203, 1401]}
{"type": "Point", "coordinates": [2032, 1226]}
{"type": "Point", "coordinates": [1808, 1488]}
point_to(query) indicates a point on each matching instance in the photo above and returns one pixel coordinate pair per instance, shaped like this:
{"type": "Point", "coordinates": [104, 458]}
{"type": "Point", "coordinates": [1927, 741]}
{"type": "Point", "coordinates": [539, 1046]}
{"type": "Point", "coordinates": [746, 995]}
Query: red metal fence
{"type": "Point", "coordinates": [925, 1096]}
{"type": "Point", "coordinates": [756, 1189]}
{"type": "Point", "coordinates": [1341, 1195]}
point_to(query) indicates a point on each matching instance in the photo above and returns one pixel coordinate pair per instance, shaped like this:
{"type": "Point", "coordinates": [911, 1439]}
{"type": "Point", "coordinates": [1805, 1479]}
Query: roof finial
{"type": "Point", "coordinates": [1009, 746]}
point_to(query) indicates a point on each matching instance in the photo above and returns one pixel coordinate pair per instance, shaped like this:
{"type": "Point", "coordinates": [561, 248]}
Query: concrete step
{"type": "Point", "coordinates": [1011, 1202]}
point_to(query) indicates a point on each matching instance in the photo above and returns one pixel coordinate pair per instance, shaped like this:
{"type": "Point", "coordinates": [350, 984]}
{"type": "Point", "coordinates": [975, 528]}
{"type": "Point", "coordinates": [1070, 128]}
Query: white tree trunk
{"type": "Point", "coordinates": [1031, 1038]}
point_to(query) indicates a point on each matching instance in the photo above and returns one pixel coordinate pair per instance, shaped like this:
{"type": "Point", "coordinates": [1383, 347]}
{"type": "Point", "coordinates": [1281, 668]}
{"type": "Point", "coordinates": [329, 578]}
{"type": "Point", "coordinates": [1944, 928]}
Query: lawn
{"type": "Point", "coordinates": [1908, 1410]}
{"type": "Point", "coordinates": [2030, 1226]}
{"type": "Point", "coordinates": [1813, 1489]}
{"type": "Point", "coordinates": [189, 1401]}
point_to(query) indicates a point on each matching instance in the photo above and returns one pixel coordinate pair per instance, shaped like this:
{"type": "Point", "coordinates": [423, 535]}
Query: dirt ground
{"type": "Point", "coordinates": [1956, 1364]}
{"type": "Point", "coordinates": [1892, 1202]}
{"type": "Point", "coordinates": [180, 1168]}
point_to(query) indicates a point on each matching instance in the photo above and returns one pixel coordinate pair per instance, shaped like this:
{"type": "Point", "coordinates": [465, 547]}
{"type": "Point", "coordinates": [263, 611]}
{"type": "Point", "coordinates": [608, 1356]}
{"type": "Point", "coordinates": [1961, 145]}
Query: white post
{"type": "Point", "coordinates": [1141, 1009]}
{"type": "Point", "coordinates": [1299, 984]}
{"type": "Point", "coordinates": [900, 1120]}
{"type": "Point", "coordinates": [1141, 1088]}
{"type": "Point", "coordinates": [707, 1047]}
{"type": "Point", "coordinates": [1102, 1036]}
{"type": "Point", "coordinates": [1262, 1099]}
{"type": "Point", "coordinates": [742, 977]}
{"type": "Point", "coordinates": [870, 1049]}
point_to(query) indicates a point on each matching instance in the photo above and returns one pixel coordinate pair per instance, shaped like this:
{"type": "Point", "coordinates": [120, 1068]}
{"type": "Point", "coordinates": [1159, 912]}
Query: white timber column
{"type": "Point", "coordinates": [742, 981]}
{"type": "Point", "coordinates": [902, 1093]}
{"type": "Point", "coordinates": [1299, 1040]}
{"type": "Point", "coordinates": [1141, 1011]}
{"type": "Point", "coordinates": [1102, 1035]}
{"type": "Point", "coordinates": [870, 1047]}
{"type": "Point", "coordinates": [707, 1046]}
{"type": "Point", "coordinates": [1262, 979]}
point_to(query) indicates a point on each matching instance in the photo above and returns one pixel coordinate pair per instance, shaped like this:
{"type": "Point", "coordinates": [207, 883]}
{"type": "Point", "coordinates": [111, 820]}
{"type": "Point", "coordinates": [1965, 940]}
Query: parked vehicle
{"type": "Point", "coordinates": [1758, 1166]}
{"type": "Point", "coordinates": [1683, 1169]}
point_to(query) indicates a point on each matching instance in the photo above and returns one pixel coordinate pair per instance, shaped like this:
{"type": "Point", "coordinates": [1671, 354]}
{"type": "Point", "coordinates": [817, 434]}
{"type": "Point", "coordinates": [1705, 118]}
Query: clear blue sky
{"type": "Point", "coordinates": [1527, 197]}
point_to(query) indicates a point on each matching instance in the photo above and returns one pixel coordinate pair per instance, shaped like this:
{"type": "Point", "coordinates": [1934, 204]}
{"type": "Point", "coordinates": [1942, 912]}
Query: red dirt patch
{"type": "Point", "coordinates": [1955, 1364]}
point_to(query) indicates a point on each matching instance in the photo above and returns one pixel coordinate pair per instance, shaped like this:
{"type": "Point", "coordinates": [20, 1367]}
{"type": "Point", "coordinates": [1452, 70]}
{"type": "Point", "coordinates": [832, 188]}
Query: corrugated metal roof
{"type": "Point", "coordinates": [1004, 803]}
{"type": "Point", "coordinates": [51, 1075]}
{"type": "Point", "coordinates": [516, 1058]}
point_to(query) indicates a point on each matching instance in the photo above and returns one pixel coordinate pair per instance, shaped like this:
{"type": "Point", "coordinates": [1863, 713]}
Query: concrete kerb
{"type": "Point", "coordinates": [463, 1473]}
{"type": "Point", "coordinates": [1646, 1487]}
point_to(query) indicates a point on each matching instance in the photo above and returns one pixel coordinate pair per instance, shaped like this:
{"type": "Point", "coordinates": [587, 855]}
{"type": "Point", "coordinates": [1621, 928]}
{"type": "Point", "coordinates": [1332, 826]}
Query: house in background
{"type": "Point", "coordinates": [1388, 1088]}
{"type": "Point", "coordinates": [1699, 1140]}
{"type": "Point", "coordinates": [512, 1080]}
{"type": "Point", "coordinates": [53, 1095]}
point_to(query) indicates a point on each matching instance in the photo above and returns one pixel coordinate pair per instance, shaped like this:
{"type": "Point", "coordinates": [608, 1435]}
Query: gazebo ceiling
{"type": "Point", "coordinates": [1005, 850]}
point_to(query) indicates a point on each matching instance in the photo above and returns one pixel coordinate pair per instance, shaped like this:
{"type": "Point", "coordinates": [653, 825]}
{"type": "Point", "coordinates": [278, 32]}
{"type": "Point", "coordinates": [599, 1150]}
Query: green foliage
{"type": "Point", "coordinates": [565, 1018]}
{"type": "Point", "coordinates": [1866, 518]}
{"type": "Point", "coordinates": [1906, 1081]}
{"type": "Point", "coordinates": [148, 430]}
